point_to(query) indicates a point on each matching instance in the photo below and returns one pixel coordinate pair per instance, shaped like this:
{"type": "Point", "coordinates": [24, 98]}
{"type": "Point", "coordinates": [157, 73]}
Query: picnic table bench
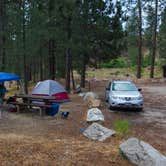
{"type": "Point", "coordinates": [33, 101]}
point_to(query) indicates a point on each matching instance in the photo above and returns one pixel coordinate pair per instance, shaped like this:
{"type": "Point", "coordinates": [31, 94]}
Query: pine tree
{"type": "Point", "coordinates": [2, 34]}
{"type": "Point", "coordinates": [139, 65]}
{"type": "Point", "coordinates": [162, 36]}
{"type": "Point", "coordinates": [154, 40]}
{"type": "Point", "coordinates": [136, 5]}
{"type": "Point", "coordinates": [149, 27]}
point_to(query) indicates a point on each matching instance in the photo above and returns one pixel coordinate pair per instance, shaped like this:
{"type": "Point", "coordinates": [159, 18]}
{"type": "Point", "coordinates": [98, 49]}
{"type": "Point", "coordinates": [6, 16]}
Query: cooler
{"type": "Point", "coordinates": [54, 110]}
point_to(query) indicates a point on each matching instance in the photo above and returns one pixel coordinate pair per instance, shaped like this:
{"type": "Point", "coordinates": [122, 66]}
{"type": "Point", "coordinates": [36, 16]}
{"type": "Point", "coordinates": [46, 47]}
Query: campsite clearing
{"type": "Point", "coordinates": [28, 139]}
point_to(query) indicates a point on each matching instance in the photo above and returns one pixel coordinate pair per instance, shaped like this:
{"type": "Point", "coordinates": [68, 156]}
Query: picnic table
{"type": "Point", "coordinates": [33, 101]}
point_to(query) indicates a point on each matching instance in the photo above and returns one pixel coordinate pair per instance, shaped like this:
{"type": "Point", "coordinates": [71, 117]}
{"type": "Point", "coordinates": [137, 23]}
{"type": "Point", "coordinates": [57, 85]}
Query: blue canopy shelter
{"type": "Point", "coordinates": [8, 77]}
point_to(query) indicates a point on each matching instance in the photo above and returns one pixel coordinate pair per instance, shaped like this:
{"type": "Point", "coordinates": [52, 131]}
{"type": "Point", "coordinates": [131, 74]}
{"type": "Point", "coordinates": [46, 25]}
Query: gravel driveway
{"type": "Point", "coordinates": [149, 124]}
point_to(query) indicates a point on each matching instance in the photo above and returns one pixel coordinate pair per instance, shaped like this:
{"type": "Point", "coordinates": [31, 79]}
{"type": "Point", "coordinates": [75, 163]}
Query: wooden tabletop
{"type": "Point", "coordinates": [30, 96]}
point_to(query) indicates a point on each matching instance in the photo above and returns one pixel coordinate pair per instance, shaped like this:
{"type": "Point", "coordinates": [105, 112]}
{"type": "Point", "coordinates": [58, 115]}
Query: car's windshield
{"type": "Point", "coordinates": [123, 87]}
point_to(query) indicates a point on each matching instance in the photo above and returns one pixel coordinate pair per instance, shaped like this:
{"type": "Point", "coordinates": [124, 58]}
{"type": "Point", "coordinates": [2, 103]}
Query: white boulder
{"type": "Point", "coordinates": [98, 132]}
{"type": "Point", "coordinates": [141, 153]}
{"type": "Point", "coordinates": [90, 95]}
{"type": "Point", "coordinates": [81, 94]}
{"type": "Point", "coordinates": [94, 114]}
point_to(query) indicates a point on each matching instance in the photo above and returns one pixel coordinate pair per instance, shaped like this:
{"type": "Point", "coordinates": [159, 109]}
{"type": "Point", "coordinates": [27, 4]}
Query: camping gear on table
{"type": "Point", "coordinates": [11, 99]}
{"type": "Point", "coordinates": [12, 108]}
{"type": "Point", "coordinates": [51, 88]}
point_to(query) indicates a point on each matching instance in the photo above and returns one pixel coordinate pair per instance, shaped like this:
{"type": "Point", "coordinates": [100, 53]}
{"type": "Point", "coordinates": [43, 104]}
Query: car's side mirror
{"type": "Point", "coordinates": [107, 88]}
{"type": "Point", "coordinates": [139, 89]}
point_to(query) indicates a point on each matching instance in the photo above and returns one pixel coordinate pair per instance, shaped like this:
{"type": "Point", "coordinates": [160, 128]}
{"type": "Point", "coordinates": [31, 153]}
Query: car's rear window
{"type": "Point", "coordinates": [123, 87]}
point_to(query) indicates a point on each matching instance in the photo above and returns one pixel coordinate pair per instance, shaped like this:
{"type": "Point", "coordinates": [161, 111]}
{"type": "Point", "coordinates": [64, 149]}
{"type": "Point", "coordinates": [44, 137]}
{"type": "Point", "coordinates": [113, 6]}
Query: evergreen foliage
{"type": "Point", "coordinates": [162, 36]}
{"type": "Point", "coordinates": [48, 39]}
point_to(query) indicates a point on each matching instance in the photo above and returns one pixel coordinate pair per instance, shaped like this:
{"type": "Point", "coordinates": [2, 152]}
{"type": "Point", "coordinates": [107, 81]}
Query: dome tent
{"type": "Point", "coordinates": [51, 88]}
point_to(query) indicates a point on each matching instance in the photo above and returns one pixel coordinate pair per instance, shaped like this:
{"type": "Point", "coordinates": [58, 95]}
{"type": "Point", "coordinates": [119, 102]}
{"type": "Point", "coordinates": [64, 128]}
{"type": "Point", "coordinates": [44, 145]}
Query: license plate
{"type": "Point", "coordinates": [128, 104]}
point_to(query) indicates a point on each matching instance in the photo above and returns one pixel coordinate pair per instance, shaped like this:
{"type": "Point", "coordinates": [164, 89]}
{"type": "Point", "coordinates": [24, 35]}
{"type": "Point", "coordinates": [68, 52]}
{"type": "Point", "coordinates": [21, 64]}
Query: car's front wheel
{"type": "Point", "coordinates": [110, 107]}
{"type": "Point", "coordinates": [106, 97]}
{"type": "Point", "coordinates": [139, 109]}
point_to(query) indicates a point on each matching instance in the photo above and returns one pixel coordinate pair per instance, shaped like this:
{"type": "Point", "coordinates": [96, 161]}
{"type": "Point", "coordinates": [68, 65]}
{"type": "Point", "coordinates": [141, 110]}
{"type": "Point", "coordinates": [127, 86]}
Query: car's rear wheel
{"type": "Point", "coordinates": [110, 107]}
{"type": "Point", "coordinates": [109, 104]}
{"type": "Point", "coordinates": [106, 98]}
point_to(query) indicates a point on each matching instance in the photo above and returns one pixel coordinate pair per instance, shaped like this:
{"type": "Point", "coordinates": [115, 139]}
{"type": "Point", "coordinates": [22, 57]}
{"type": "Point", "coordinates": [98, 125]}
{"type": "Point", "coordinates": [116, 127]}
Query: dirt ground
{"type": "Point", "coordinates": [28, 139]}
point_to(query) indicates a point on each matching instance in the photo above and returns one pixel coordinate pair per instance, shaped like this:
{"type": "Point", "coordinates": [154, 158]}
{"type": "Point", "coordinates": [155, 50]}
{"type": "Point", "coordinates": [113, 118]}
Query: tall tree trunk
{"type": "Point", "coordinates": [51, 42]}
{"type": "Point", "coordinates": [68, 69]}
{"type": "Point", "coordinates": [34, 71]}
{"type": "Point", "coordinates": [72, 77]}
{"type": "Point", "coordinates": [41, 62]}
{"type": "Point", "coordinates": [3, 53]}
{"type": "Point", "coordinates": [29, 72]}
{"type": "Point", "coordinates": [24, 47]}
{"type": "Point", "coordinates": [68, 55]}
{"type": "Point", "coordinates": [83, 72]}
{"type": "Point", "coordinates": [139, 63]}
{"type": "Point", "coordinates": [154, 41]}
{"type": "Point", "coordinates": [51, 59]}
{"type": "Point", "coordinates": [2, 34]}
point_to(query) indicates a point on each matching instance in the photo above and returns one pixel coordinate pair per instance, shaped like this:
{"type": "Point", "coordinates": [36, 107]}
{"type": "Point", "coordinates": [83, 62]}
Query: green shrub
{"type": "Point", "coordinates": [122, 127]}
{"type": "Point", "coordinates": [115, 63]}
{"type": "Point", "coordinates": [160, 62]}
{"type": "Point", "coordinates": [146, 60]}
{"type": "Point", "coordinates": [133, 55]}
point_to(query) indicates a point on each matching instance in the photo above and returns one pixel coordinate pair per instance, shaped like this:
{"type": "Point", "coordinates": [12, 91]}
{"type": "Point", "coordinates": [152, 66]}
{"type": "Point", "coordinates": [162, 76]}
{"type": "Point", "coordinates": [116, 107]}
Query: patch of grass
{"type": "Point", "coordinates": [122, 127]}
{"type": "Point", "coordinates": [121, 73]}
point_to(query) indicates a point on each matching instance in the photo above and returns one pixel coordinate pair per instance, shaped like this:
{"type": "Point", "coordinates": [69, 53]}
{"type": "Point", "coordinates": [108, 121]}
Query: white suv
{"type": "Point", "coordinates": [120, 94]}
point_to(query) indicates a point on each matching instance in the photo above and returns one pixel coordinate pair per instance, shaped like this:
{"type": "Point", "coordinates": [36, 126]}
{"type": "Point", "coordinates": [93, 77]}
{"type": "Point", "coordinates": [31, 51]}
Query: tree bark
{"type": "Point", "coordinates": [51, 42]}
{"type": "Point", "coordinates": [68, 55]}
{"type": "Point", "coordinates": [154, 41]}
{"type": "Point", "coordinates": [2, 32]}
{"type": "Point", "coordinates": [139, 62]}
{"type": "Point", "coordinates": [68, 69]}
{"type": "Point", "coordinates": [24, 47]}
{"type": "Point", "coordinates": [83, 72]}
{"type": "Point", "coordinates": [34, 71]}
{"type": "Point", "coordinates": [52, 59]}
{"type": "Point", "coordinates": [41, 62]}
{"type": "Point", "coordinates": [72, 77]}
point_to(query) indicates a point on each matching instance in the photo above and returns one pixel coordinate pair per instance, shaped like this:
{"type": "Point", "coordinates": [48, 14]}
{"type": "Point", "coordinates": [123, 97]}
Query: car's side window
{"type": "Point", "coordinates": [109, 86]}
{"type": "Point", "coordinates": [113, 86]}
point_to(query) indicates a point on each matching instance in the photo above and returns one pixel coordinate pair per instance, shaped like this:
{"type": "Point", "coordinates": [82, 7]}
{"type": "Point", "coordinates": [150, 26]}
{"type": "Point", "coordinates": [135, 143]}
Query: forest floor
{"type": "Point", "coordinates": [28, 139]}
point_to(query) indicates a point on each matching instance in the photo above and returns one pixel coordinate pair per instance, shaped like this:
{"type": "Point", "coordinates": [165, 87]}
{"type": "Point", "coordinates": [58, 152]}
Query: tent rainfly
{"type": "Point", "coordinates": [51, 88]}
